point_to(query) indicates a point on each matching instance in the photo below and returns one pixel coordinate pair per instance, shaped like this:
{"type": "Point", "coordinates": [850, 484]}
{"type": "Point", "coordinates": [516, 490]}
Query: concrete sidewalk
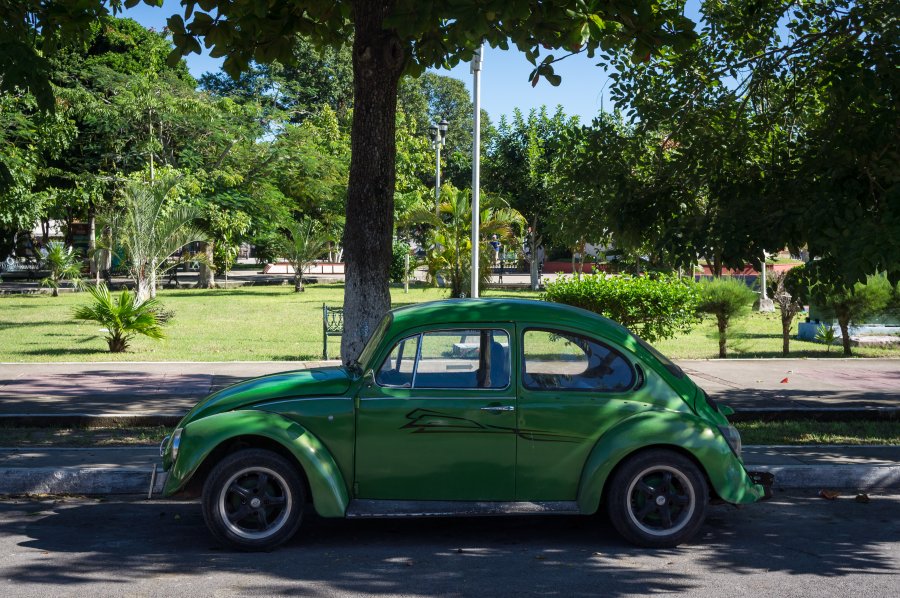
{"type": "Point", "coordinates": [36, 470]}
{"type": "Point", "coordinates": [171, 388]}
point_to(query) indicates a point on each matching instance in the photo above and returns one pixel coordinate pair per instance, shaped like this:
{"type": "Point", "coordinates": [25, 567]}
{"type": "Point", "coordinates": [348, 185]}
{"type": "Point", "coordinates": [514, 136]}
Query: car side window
{"type": "Point", "coordinates": [555, 360]}
{"type": "Point", "coordinates": [471, 358]}
{"type": "Point", "coordinates": [397, 370]}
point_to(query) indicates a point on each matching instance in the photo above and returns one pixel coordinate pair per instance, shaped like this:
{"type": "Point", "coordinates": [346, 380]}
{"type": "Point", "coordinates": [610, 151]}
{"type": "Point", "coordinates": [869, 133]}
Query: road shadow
{"type": "Point", "coordinates": [743, 398]}
{"type": "Point", "coordinates": [102, 390]}
{"type": "Point", "coordinates": [119, 543]}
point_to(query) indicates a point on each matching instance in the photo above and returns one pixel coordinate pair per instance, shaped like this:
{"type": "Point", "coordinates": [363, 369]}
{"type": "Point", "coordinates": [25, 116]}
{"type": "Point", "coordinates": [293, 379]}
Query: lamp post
{"type": "Point", "coordinates": [765, 304]}
{"type": "Point", "coordinates": [476, 164]}
{"type": "Point", "coordinates": [438, 135]}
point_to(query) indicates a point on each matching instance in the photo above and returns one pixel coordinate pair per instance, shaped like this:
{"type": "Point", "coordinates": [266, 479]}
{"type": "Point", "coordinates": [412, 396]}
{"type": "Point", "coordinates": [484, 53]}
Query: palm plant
{"type": "Point", "coordinates": [153, 230]}
{"type": "Point", "coordinates": [450, 254]}
{"type": "Point", "coordinates": [301, 243]}
{"type": "Point", "coordinates": [123, 317]}
{"type": "Point", "coordinates": [63, 263]}
{"type": "Point", "coordinates": [726, 299]}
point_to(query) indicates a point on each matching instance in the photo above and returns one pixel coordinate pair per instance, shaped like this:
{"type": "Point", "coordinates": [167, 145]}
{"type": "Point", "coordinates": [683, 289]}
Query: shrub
{"type": "Point", "coordinates": [726, 299]}
{"type": "Point", "coordinates": [846, 303]}
{"type": "Point", "coordinates": [63, 263]}
{"type": "Point", "coordinates": [123, 317]}
{"type": "Point", "coordinates": [654, 308]}
{"type": "Point", "coordinates": [399, 251]}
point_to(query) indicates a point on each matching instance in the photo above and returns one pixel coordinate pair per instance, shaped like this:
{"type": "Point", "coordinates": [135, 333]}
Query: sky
{"type": "Point", "coordinates": [504, 75]}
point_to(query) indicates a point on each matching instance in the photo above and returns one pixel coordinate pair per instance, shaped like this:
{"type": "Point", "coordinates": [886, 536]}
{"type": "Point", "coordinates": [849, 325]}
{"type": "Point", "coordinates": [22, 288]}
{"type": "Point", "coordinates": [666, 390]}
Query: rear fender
{"type": "Point", "coordinates": [201, 437]}
{"type": "Point", "coordinates": [664, 429]}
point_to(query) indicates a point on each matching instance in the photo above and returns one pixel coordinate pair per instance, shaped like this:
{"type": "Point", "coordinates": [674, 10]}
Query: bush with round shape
{"type": "Point", "coordinates": [726, 299]}
{"type": "Point", "coordinates": [654, 307]}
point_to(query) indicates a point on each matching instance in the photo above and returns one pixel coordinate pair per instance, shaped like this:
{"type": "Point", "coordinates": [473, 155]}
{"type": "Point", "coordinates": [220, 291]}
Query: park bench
{"type": "Point", "coordinates": [332, 325]}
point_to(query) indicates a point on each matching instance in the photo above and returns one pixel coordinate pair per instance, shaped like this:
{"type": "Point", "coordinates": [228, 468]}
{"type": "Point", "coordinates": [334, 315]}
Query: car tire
{"type": "Point", "coordinates": [253, 500]}
{"type": "Point", "coordinates": [658, 499]}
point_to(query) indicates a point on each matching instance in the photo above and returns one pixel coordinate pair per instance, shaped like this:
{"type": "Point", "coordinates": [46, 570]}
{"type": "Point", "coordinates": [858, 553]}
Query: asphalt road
{"type": "Point", "coordinates": [797, 545]}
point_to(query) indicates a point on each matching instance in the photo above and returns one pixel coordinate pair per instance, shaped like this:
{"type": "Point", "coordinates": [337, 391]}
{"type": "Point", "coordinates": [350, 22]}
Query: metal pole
{"type": "Point", "coordinates": [476, 165]}
{"type": "Point", "coordinates": [437, 179]}
{"type": "Point", "coordinates": [406, 272]}
{"type": "Point", "coordinates": [762, 273]}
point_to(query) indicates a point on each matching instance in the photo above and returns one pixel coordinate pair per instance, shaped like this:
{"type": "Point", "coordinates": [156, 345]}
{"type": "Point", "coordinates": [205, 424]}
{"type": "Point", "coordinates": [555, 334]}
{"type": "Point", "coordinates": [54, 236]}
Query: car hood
{"type": "Point", "coordinates": [327, 381]}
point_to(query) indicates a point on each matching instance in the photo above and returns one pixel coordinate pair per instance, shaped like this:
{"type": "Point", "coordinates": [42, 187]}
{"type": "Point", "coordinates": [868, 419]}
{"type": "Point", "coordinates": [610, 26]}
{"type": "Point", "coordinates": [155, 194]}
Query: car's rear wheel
{"type": "Point", "coordinates": [253, 500]}
{"type": "Point", "coordinates": [658, 499]}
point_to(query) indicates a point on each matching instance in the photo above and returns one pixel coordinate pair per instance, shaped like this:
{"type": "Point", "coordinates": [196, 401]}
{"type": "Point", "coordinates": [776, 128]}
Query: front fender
{"type": "Point", "coordinates": [666, 428]}
{"type": "Point", "coordinates": [201, 437]}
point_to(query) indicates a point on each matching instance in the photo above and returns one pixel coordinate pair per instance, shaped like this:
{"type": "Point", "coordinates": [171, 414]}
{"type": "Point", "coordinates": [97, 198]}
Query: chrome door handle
{"type": "Point", "coordinates": [499, 408]}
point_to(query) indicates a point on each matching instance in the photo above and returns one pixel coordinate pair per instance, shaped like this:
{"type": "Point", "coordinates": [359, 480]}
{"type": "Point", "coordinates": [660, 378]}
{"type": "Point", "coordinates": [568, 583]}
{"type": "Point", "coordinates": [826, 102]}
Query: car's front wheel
{"type": "Point", "coordinates": [253, 500]}
{"type": "Point", "coordinates": [658, 499]}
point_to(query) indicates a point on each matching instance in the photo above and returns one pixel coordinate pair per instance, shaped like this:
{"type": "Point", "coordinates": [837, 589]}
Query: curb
{"type": "Point", "coordinates": [84, 481]}
{"type": "Point", "coordinates": [842, 477]}
{"type": "Point", "coordinates": [108, 481]}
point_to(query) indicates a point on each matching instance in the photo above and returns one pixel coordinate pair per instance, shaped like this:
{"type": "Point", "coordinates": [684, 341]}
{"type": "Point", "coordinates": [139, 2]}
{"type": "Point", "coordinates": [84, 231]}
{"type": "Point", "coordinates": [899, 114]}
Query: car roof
{"type": "Point", "coordinates": [465, 311]}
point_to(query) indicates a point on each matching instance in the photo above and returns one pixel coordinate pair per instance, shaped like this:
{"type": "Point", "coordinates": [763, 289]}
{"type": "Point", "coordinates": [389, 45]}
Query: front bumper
{"type": "Point", "coordinates": [764, 479]}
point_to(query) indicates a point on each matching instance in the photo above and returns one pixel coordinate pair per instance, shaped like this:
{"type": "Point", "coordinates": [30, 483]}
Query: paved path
{"type": "Point", "coordinates": [172, 388]}
{"type": "Point", "coordinates": [796, 545]}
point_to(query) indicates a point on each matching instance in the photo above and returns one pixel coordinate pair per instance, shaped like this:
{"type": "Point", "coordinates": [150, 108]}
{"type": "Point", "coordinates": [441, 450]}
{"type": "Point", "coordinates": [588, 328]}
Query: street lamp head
{"type": "Point", "coordinates": [433, 132]}
{"type": "Point", "coordinates": [443, 125]}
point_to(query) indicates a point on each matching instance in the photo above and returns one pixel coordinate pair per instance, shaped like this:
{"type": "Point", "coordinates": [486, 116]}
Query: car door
{"type": "Point", "coordinates": [571, 389]}
{"type": "Point", "coordinates": [436, 421]}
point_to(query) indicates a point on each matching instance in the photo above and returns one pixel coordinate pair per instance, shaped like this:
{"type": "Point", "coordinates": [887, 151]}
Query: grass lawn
{"type": "Point", "coordinates": [816, 432]}
{"type": "Point", "coordinates": [273, 323]}
{"type": "Point", "coordinates": [262, 323]}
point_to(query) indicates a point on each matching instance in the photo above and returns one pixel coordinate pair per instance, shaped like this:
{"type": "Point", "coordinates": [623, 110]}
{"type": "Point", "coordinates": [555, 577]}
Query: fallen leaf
{"type": "Point", "coordinates": [863, 498]}
{"type": "Point", "coordinates": [829, 494]}
{"type": "Point", "coordinates": [784, 380]}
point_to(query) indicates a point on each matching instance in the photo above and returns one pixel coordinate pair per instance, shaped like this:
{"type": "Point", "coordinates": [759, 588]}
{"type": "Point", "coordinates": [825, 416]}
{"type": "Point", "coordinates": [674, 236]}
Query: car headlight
{"type": "Point", "coordinates": [733, 437]}
{"type": "Point", "coordinates": [176, 440]}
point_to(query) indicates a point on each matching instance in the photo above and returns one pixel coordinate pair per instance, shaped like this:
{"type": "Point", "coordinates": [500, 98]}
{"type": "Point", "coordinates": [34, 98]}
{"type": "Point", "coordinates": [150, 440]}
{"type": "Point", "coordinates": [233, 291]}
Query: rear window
{"type": "Point", "coordinates": [555, 360]}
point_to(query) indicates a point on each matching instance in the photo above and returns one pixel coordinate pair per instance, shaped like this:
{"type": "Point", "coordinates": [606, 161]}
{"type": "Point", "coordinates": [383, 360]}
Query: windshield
{"type": "Point", "coordinates": [372, 345]}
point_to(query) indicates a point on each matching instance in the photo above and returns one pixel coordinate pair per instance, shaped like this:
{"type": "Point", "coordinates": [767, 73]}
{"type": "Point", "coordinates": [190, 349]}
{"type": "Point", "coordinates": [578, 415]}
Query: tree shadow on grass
{"type": "Point", "coordinates": [57, 352]}
{"type": "Point", "coordinates": [74, 543]}
{"type": "Point", "coordinates": [6, 325]}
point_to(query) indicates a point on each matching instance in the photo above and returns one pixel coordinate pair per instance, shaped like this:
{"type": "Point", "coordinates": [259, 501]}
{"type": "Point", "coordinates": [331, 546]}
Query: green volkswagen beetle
{"type": "Point", "coordinates": [466, 407]}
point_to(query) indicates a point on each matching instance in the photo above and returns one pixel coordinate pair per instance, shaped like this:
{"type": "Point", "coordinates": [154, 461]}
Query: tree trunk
{"type": "Point", "coordinates": [378, 60]}
{"type": "Point", "coordinates": [844, 323]}
{"type": "Point", "coordinates": [786, 334]}
{"type": "Point", "coordinates": [92, 242]}
{"type": "Point", "coordinates": [143, 288]}
{"type": "Point", "coordinates": [298, 280]}
{"type": "Point", "coordinates": [723, 329]}
{"type": "Point", "coordinates": [206, 278]}
{"type": "Point", "coordinates": [153, 279]}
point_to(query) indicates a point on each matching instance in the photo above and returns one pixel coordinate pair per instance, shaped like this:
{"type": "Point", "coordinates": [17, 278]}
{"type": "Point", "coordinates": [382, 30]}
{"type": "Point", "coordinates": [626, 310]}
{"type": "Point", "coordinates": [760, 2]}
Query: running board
{"type": "Point", "coordinates": [365, 508]}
